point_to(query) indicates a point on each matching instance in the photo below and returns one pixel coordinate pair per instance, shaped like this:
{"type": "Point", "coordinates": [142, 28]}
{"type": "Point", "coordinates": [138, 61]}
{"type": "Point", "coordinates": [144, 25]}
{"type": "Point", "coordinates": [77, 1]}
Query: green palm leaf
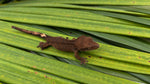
{"type": "Point", "coordinates": [115, 28]}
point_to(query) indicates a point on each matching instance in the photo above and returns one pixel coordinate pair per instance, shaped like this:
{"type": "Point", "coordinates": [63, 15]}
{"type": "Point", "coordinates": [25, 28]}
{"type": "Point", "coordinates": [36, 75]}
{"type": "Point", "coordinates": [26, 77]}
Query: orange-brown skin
{"type": "Point", "coordinates": [82, 43]}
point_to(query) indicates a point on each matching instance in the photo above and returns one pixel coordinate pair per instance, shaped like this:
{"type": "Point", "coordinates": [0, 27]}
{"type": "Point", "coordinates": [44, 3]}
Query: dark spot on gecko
{"type": "Point", "coordinates": [148, 61]}
{"type": "Point", "coordinates": [139, 57]}
{"type": "Point", "coordinates": [89, 56]}
{"type": "Point", "coordinates": [82, 43]}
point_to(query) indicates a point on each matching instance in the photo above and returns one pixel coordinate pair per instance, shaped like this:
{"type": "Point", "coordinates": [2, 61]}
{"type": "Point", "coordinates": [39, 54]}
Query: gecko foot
{"type": "Point", "coordinates": [83, 60]}
{"type": "Point", "coordinates": [41, 45]}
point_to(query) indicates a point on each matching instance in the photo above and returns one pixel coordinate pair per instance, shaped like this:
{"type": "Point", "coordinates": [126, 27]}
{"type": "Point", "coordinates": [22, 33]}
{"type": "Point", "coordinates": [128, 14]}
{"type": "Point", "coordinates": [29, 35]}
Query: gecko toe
{"type": "Point", "coordinates": [83, 60]}
{"type": "Point", "coordinates": [40, 47]}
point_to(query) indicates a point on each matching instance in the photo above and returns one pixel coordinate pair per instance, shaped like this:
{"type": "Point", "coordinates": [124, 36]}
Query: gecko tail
{"type": "Point", "coordinates": [30, 32]}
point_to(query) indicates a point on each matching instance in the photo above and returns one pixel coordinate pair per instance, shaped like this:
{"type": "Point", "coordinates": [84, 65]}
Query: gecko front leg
{"type": "Point", "coordinates": [43, 45]}
{"type": "Point", "coordinates": [82, 60]}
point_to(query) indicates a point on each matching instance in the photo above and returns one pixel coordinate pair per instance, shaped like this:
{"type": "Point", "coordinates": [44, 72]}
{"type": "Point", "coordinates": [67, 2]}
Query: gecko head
{"type": "Point", "coordinates": [84, 43]}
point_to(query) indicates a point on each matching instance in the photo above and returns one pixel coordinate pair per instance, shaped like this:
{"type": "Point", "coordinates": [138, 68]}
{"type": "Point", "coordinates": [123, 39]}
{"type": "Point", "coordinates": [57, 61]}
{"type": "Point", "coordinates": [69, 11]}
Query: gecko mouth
{"type": "Point", "coordinates": [94, 47]}
{"type": "Point", "coordinates": [90, 48]}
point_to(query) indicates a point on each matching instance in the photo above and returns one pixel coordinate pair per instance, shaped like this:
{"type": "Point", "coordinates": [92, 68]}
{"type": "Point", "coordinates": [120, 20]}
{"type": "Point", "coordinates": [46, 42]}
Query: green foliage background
{"type": "Point", "coordinates": [121, 27]}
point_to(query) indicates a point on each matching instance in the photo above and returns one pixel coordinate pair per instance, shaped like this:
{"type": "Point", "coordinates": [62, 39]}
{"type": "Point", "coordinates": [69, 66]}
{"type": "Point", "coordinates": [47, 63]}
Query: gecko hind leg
{"type": "Point", "coordinates": [82, 59]}
{"type": "Point", "coordinates": [43, 45]}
